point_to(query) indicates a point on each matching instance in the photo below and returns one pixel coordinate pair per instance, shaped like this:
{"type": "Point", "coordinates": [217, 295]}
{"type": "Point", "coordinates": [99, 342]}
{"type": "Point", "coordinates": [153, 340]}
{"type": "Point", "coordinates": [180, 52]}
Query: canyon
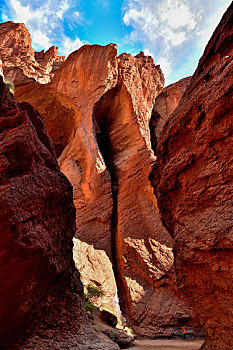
{"type": "Point", "coordinates": [77, 176]}
{"type": "Point", "coordinates": [103, 147]}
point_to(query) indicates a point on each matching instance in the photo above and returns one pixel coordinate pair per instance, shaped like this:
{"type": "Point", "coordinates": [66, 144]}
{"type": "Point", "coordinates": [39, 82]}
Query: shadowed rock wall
{"type": "Point", "coordinates": [41, 294]}
{"type": "Point", "coordinates": [194, 187]}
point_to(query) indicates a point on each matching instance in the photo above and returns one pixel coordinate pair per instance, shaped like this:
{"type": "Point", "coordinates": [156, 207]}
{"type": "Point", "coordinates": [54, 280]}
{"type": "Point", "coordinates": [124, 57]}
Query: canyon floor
{"type": "Point", "coordinates": [170, 344]}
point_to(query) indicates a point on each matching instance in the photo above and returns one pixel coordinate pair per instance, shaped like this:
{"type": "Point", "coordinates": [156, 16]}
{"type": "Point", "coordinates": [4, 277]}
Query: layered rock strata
{"type": "Point", "coordinates": [20, 62]}
{"type": "Point", "coordinates": [40, 291]}
{"type": "Point", "coordinates": [108, 158]}
{"type": "Point", "coordinates": [193, 181]}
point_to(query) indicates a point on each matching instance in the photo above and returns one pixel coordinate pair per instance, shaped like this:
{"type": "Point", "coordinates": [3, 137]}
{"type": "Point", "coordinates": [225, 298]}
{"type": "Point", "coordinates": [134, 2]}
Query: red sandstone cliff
{"type": "Point", "coordinates": [106, 155]}
{"type": "Point", "coordinates": [194, 187]}
{"type": "Point", "coordinates": [41, 294]}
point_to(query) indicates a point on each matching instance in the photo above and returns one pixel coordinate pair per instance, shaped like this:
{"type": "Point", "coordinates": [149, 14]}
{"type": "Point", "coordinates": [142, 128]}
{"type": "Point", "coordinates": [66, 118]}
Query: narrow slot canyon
{"type": "Point", "coordinates": [116, 198]}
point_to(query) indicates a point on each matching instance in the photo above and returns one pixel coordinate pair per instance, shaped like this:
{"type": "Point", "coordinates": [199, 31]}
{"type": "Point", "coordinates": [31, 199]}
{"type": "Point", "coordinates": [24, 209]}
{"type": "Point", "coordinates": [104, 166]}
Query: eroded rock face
{"type": "Point", "coordinates": [72, 128]}
{"type": "Point", "coordinates": [143, 249]}
{"type": "Point", "coordinates": [40, 292]}
{"type": "Point", "coordinates": [164, 105]}
{"type": "Point", "coordinates": [194, 186]}
{"type": "Point", "coordinates": [95, 267]}
{"type": "Point", "coordinates": [20, 63]}
{"type": "Point", "coordinates": [106, 155]}
{"type": "Point", "coordinates": [60, 113]}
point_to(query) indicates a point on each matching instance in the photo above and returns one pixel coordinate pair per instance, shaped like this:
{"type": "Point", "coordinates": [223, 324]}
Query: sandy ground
{"type": "Point", "coordinates": [167, 344]}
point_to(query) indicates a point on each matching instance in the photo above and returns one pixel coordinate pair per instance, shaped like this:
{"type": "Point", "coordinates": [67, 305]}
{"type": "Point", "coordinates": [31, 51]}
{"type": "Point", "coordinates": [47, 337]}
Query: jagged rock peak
{"type": "Point", "coordinates": [20, 61]}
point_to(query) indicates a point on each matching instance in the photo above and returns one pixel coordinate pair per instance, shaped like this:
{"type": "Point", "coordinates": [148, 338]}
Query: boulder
{"type": "Point", "coordinates": [121, 338]}
{"type": "Point", "coordinates": [193, 183]}
{"type": "Point", "coordinates": [109, 318]}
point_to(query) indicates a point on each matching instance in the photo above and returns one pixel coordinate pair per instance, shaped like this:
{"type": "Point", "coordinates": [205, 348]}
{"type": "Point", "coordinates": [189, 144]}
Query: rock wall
{"type": "Point", "coordinates": [193, 181]}
{"type": "Point", "coordinates": [164, 105]}
{"type": "Point", "coordinates": [40, 291]}
{"type": "Point", "coordinates": [103, 142]}
{"type": "Point", "coordinates": [142, 248]}
{"type": "Point", "coordinates": [20, 63]}
{"type": "Point", "coordinates": [67, 107]}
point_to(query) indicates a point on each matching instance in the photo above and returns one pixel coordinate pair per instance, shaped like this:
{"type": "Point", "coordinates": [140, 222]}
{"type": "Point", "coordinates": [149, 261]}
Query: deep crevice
{"type": "Point", "coordinates": [100, 121]}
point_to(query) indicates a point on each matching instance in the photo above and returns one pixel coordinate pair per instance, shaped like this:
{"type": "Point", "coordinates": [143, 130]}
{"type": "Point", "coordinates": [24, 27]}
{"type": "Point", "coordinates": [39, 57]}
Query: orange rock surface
{"type": "Point", "coordinates": [164, 105]}
{"type": "Point", "coordinates": [103, 142]}
{"type": "Point", "coordinates": [71, 126]}
{"type": "Point", "coordinates": [194, 187]}
{"type": "Point", "coordinates": [142, 247]}
{"type": "Point", "coordinates": [40, 291]}
{"type": "Point", "coordinates": [20, 62]}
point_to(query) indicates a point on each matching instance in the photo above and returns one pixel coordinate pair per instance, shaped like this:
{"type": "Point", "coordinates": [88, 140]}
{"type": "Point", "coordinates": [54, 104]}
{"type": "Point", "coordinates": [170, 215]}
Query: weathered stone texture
{"type": "Point", "coordinates": [103, 143]}
{"type": "Point", "coordinates": [20, 63]}
{"type": "Point", "coordinates": [194, 187]}
{"type": "Point", "coordinates": [164, 105]}
{"type": "Point", "coordinates": [41, 294]}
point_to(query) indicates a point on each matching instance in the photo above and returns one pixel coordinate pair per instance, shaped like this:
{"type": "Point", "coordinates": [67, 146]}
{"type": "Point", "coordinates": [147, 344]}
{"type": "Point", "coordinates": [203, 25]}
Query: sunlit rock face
{"type": "Point", "coordinates": [102, 140]}
{"type": "Point", "coordinates": [193, 182]}
{"type": "Point", "coordinates": [96, 269]}
{"type": "Point", "coordinates": [164, 105]}
{"type": "Point", "coordinates": [21, 63]}
{"type": "Point", "coordinates": [37, 219]}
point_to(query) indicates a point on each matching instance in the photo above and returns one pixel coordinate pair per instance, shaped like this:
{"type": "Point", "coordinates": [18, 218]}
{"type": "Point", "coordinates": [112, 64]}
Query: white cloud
{"type": "Point", "coordinates": [44, 22]}
{"type": "Point", "coordinates": [165, 66]}
{"type": "Point", "coordinates": [147, 52]}
{"type": "Point", "coordinates": [64, 6]}
{"type": "Point", "coordinates": [166, 20]}
{"type": "Point", "coordinates": [40, 40]}
{"type": "Point", "coordinates": [69, 45]}
{"type": "Point", "coordinates": [5, 18]}
{"type": "Point", "coordinates": [173, 29]}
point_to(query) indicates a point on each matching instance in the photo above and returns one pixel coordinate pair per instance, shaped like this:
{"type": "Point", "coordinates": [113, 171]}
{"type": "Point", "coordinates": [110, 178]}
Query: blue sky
{"type": "Point", "coordinates": [174, 32]}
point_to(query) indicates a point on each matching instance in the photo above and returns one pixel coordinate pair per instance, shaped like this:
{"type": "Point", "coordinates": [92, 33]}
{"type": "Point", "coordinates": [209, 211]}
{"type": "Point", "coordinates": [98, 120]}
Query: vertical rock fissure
{"type": "Point", "coordinates": [100, 116]}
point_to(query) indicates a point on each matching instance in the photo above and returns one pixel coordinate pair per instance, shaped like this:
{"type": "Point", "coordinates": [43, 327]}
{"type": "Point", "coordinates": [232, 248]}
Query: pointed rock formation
{"type": "Point", "coordinates": [21, 64]}
{"type": "Point", "coordinates": [194, 187]}
{"type": "Point", "coordinates": [41, 294]}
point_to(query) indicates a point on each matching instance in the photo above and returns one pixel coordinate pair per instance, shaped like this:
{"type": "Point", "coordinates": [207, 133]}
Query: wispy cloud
{"type": "Point", "coordinates": [44, 20]}
{"type": "Point", "coordinates": [171, 29]}
{"type": "Point", "coordinates": [69, 45]}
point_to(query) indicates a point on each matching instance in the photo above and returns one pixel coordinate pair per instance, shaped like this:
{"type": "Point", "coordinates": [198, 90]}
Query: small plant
{"type": "Point", "coordinates": [88, 306]}
{"type": "Point", "coordinates": [93, 292]}
{"type": "Point", "coordinates": [113, 335]}
{"type": "Point", "coordinates": [91, 298]}
{"type": "Point", "coordinates": [10, 85]}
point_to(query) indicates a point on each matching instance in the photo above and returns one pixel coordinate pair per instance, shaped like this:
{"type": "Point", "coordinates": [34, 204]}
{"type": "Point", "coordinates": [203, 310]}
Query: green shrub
{"type": "Point", "coordinates": [93, 291]}
{"type": "Point", "coordinates": [88, 306]}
